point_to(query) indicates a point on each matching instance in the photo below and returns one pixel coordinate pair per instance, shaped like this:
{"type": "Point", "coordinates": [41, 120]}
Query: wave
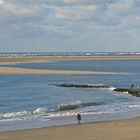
{"type": "Point", "coordinates": [72, 106]}
{"type": "Point", "coordinates": [45, 112]}
{"type": "Point", "coordinates": [69, 110]}
{"type": "Point", "coordinates": [23, 114]}
{"type": "Point", "coordinates": [103, 109]}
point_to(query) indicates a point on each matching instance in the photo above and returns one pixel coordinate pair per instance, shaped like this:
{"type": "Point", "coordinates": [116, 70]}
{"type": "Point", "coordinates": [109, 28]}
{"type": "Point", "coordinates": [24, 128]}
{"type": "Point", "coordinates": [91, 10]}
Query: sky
{"type": "Point", "coordinates": [69, 25]}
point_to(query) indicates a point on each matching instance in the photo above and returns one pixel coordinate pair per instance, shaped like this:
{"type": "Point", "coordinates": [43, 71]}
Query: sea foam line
{"type": "Point", "coordinates": [86, 110]}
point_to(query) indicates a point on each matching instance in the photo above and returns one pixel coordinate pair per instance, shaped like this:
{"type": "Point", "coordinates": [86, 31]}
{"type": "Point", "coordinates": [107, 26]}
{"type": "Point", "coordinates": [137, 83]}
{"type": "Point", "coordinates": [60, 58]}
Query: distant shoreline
{"type": "Point", "coordinates": [49, 59]}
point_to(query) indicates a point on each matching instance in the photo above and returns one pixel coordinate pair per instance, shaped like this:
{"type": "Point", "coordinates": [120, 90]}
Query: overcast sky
{"type": "Point", "coordinates": [69, 25]}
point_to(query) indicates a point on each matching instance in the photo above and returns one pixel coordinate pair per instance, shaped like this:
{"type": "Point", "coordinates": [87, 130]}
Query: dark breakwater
{"type": "Point", "coordinates": [83, 85]}
{"type": "Point", "coordinates": [132, 91]}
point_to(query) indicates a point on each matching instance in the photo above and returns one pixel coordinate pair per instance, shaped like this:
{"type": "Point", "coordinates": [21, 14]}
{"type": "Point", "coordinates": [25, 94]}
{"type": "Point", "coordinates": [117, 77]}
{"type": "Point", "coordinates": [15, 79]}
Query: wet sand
{"type": "Point", "coordinates": [113, 130]}
{"type": "Point", "coordinates": [12, 70]}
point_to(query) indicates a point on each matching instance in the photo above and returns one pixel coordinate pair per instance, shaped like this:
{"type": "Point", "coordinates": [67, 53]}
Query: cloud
{"type": "Point", "coordinates": [75, 13]}
{"type": "Point", "coordinates": [54, 22]}
{"type": "Point", "coordinates": [19, 21]}
{"type": "Point", "coordinates": [131, 21]}
{"type": "Point", "coordinates": [9, 11]}
{"type": "Point", "coordinates": [119, 7]}
{"type": "Point", "coordinates": [59, 2]}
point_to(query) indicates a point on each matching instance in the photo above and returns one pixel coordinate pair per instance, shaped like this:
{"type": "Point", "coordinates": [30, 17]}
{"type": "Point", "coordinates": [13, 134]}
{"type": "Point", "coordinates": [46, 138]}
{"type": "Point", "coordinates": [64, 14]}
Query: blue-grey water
{"type": "Point", "coordinates": [28, 101]}
{"type": "Point", "coordinates": [96, 65]}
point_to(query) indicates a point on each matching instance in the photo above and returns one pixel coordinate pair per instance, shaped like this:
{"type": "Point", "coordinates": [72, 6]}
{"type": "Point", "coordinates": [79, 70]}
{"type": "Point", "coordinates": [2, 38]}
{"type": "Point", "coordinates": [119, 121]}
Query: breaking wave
{"type": "Point", "coordinates": [45, 112]}
{"type": "Point", "coordinates": [72, 106]}
{"type": "Point", "coordinates": [92, 110]}
{"type": "Point", "coordinates": [23, 114]}
{"type": "Point", "coordinates": [71, 109]}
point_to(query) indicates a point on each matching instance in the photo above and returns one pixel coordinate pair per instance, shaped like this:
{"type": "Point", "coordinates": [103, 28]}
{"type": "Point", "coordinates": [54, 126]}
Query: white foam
{"type": "Point", "coordinates": [15, 115]}
{"type": "Point", "coordinates": [39, 111]}
{"type": "Point", "coordinates": [22, 115]}
{"type": "Point", "coordinates": [134, 106]}
{"type": "Point", "coordinates": [112, 88]}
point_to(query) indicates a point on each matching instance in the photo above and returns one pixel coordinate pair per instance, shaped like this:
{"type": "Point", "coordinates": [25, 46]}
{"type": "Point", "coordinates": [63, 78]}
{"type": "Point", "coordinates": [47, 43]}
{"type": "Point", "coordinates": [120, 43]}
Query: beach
{"type": "Point", "coordinates": [30, 97]}
{"type": "Point", "coordinates": [112, 130]}
{"type": "Point", "coordinates": [69, 70]}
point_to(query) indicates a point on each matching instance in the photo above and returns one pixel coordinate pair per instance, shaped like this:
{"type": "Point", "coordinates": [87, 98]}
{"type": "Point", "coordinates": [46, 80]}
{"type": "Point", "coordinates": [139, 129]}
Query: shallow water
{"type": "Point", "coordinates": [130, 66]}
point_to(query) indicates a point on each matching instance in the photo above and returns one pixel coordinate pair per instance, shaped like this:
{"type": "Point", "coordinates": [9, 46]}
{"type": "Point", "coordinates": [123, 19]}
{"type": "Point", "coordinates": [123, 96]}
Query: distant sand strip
{"type": "Point", "coordinates": [12, 70]}
{"type": "Point", "coordinates": [48, 59]}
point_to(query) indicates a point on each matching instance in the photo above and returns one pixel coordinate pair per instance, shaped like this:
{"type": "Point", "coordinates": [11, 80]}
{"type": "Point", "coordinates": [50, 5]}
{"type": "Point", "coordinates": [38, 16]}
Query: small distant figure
{"type": "Point", "coordinates": [79, 118]}
{"type": "Point", "coordinates": [132, 86]}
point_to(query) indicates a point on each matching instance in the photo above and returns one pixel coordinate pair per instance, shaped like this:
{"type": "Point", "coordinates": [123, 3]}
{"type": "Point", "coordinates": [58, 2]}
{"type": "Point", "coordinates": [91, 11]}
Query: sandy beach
{"type": "Point", "coordinates": [113, 130]}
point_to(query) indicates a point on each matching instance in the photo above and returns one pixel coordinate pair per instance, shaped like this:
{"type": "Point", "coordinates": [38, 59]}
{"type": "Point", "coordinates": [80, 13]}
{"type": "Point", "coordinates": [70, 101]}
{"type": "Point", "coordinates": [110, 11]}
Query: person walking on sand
{"type": "Point", "coordinates": [79, 118]}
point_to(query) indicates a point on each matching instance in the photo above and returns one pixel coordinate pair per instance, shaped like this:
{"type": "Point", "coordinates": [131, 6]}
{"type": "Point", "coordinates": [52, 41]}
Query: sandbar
{"type": "Point", "coordinates": [13, 70]}
{"type": "Point", "coordinates": [112, 130]}
{"type": "Point", "coordinates": [47, 59]}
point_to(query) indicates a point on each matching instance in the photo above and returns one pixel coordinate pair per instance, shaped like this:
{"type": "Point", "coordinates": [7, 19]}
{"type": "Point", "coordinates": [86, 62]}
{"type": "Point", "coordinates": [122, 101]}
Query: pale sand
{"type": "Point", "coordinates": [114, 130]}
{"type": "Point", "coordinates": [35, 59]}
{"type": "Point", "coordinates": [49, 59]}
{"type": "Point", "coordinates": [12, 70]}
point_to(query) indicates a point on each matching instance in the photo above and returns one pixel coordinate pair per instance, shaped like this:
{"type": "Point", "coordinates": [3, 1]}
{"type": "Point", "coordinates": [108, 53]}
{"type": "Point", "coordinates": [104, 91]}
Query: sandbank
{"type": "Point", "coordinates": [112, 130]}
{"type": "Point", "coordinates": [47, 59]}
{"type": "Point", "coordinates": [13, 70]}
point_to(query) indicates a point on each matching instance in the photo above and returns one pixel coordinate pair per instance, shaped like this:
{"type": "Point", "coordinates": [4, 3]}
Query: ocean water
{"type": "Point", "coordinates": [32, 101]}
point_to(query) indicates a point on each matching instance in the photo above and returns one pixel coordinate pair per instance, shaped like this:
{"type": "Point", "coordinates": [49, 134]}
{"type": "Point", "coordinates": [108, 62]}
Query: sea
{"type": "Point", "coordinates": [35, 101]}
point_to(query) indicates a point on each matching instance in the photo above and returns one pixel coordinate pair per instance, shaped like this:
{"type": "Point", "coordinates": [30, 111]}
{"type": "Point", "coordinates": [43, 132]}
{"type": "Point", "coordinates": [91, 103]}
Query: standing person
{"type": "Point", "coordinates": [132, 86]}
{"type": "Point", "coordinates": [79, 118]}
